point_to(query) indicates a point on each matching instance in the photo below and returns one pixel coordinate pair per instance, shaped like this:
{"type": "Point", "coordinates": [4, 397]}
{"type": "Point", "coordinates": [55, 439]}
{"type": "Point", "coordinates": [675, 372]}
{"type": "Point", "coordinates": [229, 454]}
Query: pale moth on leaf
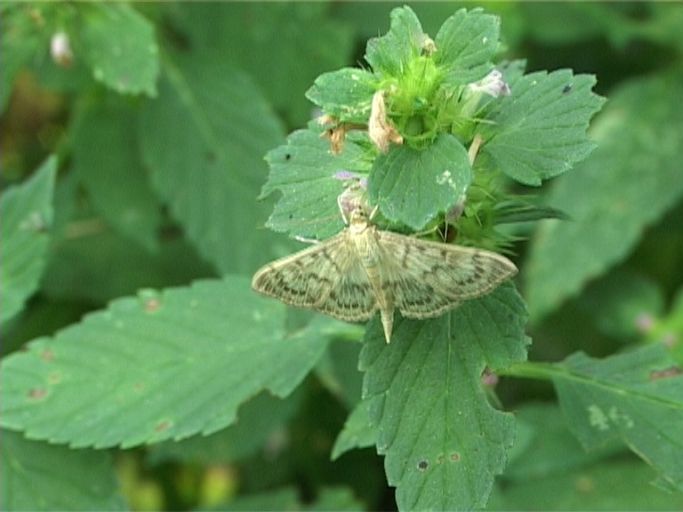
{"type": "Point", "coordinates": [364, 269]}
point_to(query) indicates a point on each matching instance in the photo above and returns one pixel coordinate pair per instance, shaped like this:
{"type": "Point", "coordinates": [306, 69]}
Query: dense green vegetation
{"type": "Point", "coordinates": [155, 155]}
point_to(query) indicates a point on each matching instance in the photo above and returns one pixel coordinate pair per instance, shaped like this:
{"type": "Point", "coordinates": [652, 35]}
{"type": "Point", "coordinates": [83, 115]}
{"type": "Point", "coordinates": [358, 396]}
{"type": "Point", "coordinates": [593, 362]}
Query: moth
{"type": "Point", "coordinates": [364, 269]}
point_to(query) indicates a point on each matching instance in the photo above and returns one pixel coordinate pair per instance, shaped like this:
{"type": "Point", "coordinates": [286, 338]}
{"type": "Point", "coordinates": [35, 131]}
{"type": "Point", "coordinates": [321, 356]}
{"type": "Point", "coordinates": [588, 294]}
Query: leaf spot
{"type": "Point", "coordinates": [152, 305]}
{"type": "Point", "coordinates": [139, 387]}
{"type": "Point", "coordinates": [440, 459]}
{"type": "Point", "coordinates": [584, 484]}
{"type": "Point", "coordinates": [422, 465]}
{"type": "Point", "coordinates": [47, 355]}
{"type": "Point", "coordinates": [288, 156]}
{"type": "Point", "coordinates": [162, 426]}
{"type": "Point", "coordinates": [33, 222]}
{"type": "Point", "coordinates": [566, 89]}
{"type": "Point", "coordinates": [37, 393]}
{"type": "Point", "coordinates": [667, 373]}
{"type": "Point", "coordinates": [455, 457]}
{"type": "Point", "coordinates": [620, 418]}
{"type": "Point", "coordinates": [597, 418]}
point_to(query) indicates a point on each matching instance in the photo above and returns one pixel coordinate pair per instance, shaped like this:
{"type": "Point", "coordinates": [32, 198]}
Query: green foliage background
{"type": "Point", "coordinates": [155, 379]}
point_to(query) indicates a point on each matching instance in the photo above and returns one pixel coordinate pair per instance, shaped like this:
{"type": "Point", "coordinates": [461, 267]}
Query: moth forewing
{"type": "Point", "coordinates": [327, 277]}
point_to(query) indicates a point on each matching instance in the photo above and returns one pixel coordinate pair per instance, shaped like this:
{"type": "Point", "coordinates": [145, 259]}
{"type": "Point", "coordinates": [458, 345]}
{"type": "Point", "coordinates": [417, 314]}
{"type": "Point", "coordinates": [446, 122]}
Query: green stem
{"type": "Point", "coordinates": [532, 370]}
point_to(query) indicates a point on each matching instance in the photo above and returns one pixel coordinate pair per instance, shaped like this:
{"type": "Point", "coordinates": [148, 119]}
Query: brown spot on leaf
{"type": "Point", "coordinates": [422, 465]}
{"type": "Point", "coordinates": [37, 393]}
{"type": "Point", "coordinates": [440, 459]}
{"type": "Point", "coordinates": [163, 426]}
{"type": "Point", "coordinates": [152, 305]}
{"type": "Point", "coordinates": [455, 457]}
{"type": "Point", "coordinates": [667, 373]}
{"type": "Point", "coordinates": [47, 355]}
{"type": "Point", "coordinates": [584, 484]}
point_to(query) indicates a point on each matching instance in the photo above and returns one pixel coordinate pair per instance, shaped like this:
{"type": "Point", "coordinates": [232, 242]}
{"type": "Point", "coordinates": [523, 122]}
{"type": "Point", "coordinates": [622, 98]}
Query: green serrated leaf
{"type": "Point", "coordinates": [442, 440]}
{"type": "Point", "coordinates": [358, 431]}
{"type": "Point", "coordinates": [413, 186]}
{"type": "Point", "coordinates": [539, 131]}
{"type": "Point", "coordinates": [26, 213]}
{"type": "Point", "coordinates": [628, 183]}
{"type": "Point", "coordinates": [204, 139]}
{"type": "Point", "coordinates": [120, 47]}
{"type": "Point", "coordinates": [107, 161]}
{"type": "Point", "coordinates": [257, 420]}
{"type": "Point", "coordinates": [621, 485]}
{"type": "Point", "coordinates": [160, 366]}
{"type": "Point", "coordinates": [390, 53]}
{"type": "Point", "coordinates": [304, 170]}
{"type": "Point", "coordinates": [39, 476]}
{"type": "Point", "coordinates": [465, 44]}
{"type": "Point", "coordinates": [636, 397]}
{"type": "Point", "coordinates": [345, 94]}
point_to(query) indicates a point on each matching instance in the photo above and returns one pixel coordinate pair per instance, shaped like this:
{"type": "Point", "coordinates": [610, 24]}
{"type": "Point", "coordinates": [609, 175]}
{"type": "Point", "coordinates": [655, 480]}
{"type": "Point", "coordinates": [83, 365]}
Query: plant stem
{"type": "Point", "coordinates": [531, 370]}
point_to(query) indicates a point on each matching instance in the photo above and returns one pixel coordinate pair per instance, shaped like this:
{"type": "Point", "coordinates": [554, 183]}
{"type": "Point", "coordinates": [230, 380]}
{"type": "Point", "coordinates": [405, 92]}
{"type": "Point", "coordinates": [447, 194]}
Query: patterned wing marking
{"type": "Point", "coordinates": [351, 298]}
{"type": "Point", "coordinates": [429, 278]}
{"type": "Point", "coordinates": [305, 278]}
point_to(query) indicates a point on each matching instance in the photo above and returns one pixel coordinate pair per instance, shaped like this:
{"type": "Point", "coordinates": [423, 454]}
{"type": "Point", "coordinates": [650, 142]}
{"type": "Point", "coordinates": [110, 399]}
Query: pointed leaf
{"type": "Point", "coordinates": [204, 139]}
{"type": "Point", "coordinates": [304, 171]}
{"type": "Point", "coordinates": [390, 53]}
{"type": "Point", "coordinates": [120, 48]}
{"type": "Point", "coordinates": [630, 181]}
{"type": "Point", "coordinates": [358, 432]}
{"type": "Point", "coordinates": [160, 366]}
{"type": "Point", "coordinates": [539, 131]}
{"type": "Point", "coordinates": [442, 439]}
{"type": "Point", "coordinates": [636, 397]}
{"type": "Point", "coordinates": [26, 213]}
{"type": "Point", "coordinates": [39, 476]}
{"type": "Point", "coordinates": [107, 161]}
{"type": "Point", "coordinates": [465, 44]}
{"type": "Point", "coordinates": [413, 186]}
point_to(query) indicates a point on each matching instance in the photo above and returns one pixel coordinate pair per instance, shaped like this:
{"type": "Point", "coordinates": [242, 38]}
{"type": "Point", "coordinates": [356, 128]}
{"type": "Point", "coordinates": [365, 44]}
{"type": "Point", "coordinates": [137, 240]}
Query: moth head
{"type": "Point", "coordinates": [358, 218]}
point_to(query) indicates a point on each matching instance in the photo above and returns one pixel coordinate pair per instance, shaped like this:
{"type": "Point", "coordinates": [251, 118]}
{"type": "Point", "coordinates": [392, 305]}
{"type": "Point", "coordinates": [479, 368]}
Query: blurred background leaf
{"type": "Point", "coordinates": [26, 213]}
{"type": "Point", "coordinates": [40, 476]}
